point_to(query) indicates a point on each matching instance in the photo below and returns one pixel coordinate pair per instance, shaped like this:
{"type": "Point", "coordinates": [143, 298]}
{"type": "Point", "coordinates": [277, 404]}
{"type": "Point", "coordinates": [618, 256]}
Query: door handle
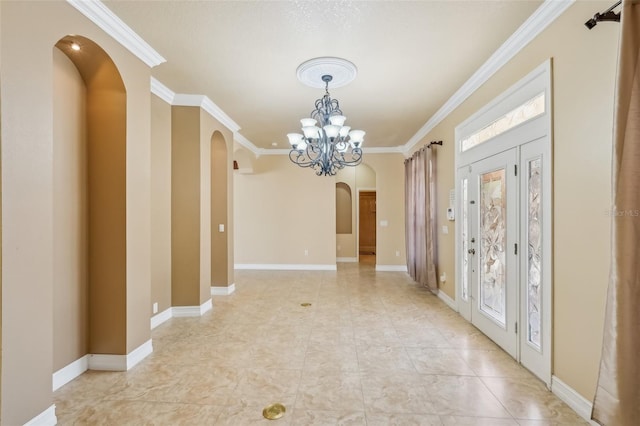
{"type": "Point", "coordinates": [471, 251]}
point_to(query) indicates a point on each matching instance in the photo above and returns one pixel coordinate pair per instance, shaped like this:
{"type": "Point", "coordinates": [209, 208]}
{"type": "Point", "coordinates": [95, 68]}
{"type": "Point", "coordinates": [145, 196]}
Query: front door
{"type": "Point", "coordinates": [490, 258]}
{"type": "Point", "coordinates": [505, 216]}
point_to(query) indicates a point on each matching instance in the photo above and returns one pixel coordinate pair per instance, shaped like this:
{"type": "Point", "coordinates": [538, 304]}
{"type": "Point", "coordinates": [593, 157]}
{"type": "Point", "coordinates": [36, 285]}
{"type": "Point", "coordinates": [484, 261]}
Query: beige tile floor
{"type": "Point", "coordinates": [372, 349]}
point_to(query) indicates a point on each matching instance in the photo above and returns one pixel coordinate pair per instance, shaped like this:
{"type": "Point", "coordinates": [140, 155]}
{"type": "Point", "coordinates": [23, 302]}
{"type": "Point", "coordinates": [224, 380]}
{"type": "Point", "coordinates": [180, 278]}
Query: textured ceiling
{"type": "Point", "coordinates": [411, 56]}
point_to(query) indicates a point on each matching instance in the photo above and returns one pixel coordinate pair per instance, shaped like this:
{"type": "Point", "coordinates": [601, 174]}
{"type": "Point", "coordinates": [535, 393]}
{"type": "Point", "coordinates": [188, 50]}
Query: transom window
{"type": "Point", "coordinates": [523, 113]}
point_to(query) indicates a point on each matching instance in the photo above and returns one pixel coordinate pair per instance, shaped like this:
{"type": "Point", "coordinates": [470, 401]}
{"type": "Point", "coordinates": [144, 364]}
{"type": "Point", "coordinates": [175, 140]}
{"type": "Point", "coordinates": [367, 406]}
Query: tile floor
{"type": "Point", "coordinates": [372, 349]}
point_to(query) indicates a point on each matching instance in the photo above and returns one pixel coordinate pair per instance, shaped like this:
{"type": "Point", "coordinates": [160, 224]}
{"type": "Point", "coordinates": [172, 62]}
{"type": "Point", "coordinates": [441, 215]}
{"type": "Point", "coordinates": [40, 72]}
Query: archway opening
{"type": "Point", "coordinates": [356, 180]}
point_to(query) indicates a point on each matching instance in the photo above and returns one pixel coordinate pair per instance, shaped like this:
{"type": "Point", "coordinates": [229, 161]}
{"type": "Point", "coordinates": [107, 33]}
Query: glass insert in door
{"type": "Point", "coordinates": [492, 248]}
{"type": "Point", "coordinates": [534, 251]}
{"type": "Point", "coordinates": [465, 239]}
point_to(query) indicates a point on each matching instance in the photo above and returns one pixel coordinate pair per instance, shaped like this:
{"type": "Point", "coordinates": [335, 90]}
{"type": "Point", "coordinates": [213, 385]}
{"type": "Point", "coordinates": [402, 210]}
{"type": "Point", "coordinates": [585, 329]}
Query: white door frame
{"type": "Point", "coordinates": [537, 128]}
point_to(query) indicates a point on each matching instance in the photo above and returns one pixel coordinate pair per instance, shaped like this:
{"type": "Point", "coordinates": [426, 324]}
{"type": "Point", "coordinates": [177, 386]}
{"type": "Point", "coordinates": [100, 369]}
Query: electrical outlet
{"type": "Point", "coordinates": [339, 247]}
{"type": "Point", "coordinates": [155, 308]}
{"type": "Point", "coordinates": [306, 252]}
{"type": "Point", "coordinates": [443, 277]}
{"type": "Point", "coordinates": [397, 253]}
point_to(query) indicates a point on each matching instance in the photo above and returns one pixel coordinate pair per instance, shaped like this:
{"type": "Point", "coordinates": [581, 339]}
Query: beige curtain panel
{"type": "Point", "coordinates": [420, 184]}
{"type": "Point", "coordinates": [617, 399]}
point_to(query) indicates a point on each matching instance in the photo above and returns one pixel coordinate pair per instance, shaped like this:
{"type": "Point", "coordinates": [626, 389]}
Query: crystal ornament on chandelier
{"type": "Point", "coordinates": [326, 145]}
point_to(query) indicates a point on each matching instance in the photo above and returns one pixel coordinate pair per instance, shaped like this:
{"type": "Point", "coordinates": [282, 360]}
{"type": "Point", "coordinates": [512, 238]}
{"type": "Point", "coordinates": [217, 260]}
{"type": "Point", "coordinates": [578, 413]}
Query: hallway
{"type": "Point", "coordinates": [372, 349]}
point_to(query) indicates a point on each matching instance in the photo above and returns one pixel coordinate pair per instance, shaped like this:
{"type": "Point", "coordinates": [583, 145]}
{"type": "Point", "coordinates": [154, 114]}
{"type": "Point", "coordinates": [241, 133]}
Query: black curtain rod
{"type": "Point", "coordinates": [423, 148]}
{"type": "Point", "coordinates": [607, 15]}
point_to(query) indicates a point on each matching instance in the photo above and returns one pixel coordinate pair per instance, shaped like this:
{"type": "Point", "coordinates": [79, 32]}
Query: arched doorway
{"type": "Point", "coordinates": [354, 183]}
{"type": "Point", "coordinates": [89, 203]}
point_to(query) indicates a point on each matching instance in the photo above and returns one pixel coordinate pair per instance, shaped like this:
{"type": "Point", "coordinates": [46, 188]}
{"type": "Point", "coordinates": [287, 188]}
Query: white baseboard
{"type": "Point", "coordinates": [120, 362]}
{"type": "Point", "coordinates": [191, 311]}
{"type": "Point", "coordinates": [446, 299]}
{"type": "Point", "coordinates": [573, 399]}
{"type": "Point", "coordinates": [46, 418]}
{"type": "Point", "coordinates": [347, 259]}
{"type": "Point", "coordinates": [223, 291]}
{"type": "Point", "coordinates": [70, 372]}
{"type": "Point", "coordinates": [206, 307]}
{"type": "Point", "coordinates": [140, 353]}
{"type": "Point", "coordinates": [158, 319]}
{"type": "Point", "coordinates": [391, 268]}
{"type": "Point", "coordinates": [285, 267]}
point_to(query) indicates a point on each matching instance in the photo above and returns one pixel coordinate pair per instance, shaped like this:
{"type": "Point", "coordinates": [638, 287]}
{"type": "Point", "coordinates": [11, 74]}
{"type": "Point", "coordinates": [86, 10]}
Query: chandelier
{"type": "Point", "coordinates": [326, 145]}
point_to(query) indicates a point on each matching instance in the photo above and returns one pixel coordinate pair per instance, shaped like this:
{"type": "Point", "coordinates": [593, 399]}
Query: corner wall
{"type": "Point", "coordinates": [584, 72]}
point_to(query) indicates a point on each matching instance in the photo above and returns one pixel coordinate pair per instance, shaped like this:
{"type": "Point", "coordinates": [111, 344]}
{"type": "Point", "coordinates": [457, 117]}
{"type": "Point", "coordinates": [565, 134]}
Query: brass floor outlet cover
{"type": "Point", "coordinates": [274, 411]}
{"type": "Point", "coordinates": [305, 304]}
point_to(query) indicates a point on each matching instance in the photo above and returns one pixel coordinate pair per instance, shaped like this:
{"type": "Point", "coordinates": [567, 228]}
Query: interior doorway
{"type": "Point", "coordinates": [367, 225]}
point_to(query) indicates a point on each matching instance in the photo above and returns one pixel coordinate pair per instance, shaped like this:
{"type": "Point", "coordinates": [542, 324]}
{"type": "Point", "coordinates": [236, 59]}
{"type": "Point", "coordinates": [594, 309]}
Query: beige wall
{"type": "Point", "coordinates": [389, 175]}
{"type": "Point", "coordinates": [584, 64]}
{"type": "Point", "coordinates": [219, 198]}
{"type": "Point", "coordinates": [160, 203]}
{"type": "Point", "coordinates": [283, 209]}
{"type": "Point", "coordinates": [27, 197]}
{"type": "Point", "coordinates": [106, 133]}
{"type": "Point", "coordinates": [185, 207]}
{"type": "Point", "coordinates": [70, 218]}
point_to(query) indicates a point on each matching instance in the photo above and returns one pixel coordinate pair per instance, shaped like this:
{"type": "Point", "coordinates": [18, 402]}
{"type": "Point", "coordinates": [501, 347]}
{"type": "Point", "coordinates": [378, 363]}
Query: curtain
{"type": "Point", "coordinates": [617, 399]}
{"type": "Point", "coordinates": [420, 223]}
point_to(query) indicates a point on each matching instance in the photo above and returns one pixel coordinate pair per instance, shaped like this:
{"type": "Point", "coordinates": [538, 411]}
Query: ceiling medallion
{"type": "Point", "coordinates": [326, 145]}
{"type": "Point", "coordinates": [342, 72]}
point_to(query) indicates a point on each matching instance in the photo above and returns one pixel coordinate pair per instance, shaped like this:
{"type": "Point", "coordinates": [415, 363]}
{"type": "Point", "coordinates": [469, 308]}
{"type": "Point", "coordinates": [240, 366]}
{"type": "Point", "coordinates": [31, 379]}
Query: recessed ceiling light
{"type": "Point", "coordinates": [75, 46]}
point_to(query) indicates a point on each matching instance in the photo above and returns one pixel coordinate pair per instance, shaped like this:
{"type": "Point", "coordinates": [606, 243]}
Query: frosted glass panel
{"type": "Point", "coordinates": [465, 240]}
{"type": "Point", "coordinates": [534, 252]}
{"type": "Point", "coordinates": [493, 240]}
{"type": "Point", "coordinates": [525, 112]}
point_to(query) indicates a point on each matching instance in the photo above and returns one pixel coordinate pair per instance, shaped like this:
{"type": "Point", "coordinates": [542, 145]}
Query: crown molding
{"type": "Point", "coordinates": [216, 112]}
{"type": "Point", "coordinates": [246, 143]}
{"type": "Point", "coordinates": [382, 150]}
{"type": "Point", "coordinates": [202, 101]}
{"type": "Point", "coordinates": [162, 91]}
{"type": "Point", "coordinates": [182, 99]}
{"type": "Point", "coordinates": [104, 18]}
{"type": "Point", "coordinates": [271, 151]}
{"type": "Point", "coordinates": [530, 29]}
